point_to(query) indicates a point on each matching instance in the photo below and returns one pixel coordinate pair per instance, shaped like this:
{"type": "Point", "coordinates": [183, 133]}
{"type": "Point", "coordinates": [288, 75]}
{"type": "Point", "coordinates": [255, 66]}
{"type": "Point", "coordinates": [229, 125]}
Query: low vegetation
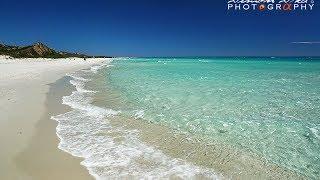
{"type": "Point", "coordinates": [38, 50]}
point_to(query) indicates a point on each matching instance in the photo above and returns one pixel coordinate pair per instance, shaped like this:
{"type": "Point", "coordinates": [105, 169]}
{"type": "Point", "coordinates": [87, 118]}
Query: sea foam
{"type": "Point", "coordinates": [86, 132]}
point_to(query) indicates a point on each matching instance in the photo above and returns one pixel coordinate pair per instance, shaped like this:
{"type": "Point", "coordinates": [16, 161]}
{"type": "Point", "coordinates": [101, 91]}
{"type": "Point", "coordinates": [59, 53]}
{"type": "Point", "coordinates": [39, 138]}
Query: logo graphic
{"type": "Point", "coordinates": [270, 5]}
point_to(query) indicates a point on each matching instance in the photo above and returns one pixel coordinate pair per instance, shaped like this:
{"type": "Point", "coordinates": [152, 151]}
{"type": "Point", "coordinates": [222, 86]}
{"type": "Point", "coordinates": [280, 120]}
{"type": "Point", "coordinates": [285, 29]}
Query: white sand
{"type": "Point", "coordinates": [23, 87]}
{"type": "Point", "coordinates": [30, 69]}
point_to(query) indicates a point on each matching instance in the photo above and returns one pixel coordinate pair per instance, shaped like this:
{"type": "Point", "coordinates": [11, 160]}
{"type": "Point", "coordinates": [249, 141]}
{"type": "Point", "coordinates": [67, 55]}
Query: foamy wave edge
{"type": "Point", "coordinates": [83, 132]}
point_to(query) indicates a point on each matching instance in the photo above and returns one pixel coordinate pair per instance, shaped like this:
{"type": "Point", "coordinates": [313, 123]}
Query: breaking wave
{"type": "Point", "coordinates": [113, 152]}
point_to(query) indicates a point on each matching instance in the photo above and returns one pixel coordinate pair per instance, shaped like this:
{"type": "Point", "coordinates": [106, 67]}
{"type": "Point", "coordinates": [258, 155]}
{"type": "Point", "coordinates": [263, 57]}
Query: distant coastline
{"type": "Point", "coordinates": [39, 50]}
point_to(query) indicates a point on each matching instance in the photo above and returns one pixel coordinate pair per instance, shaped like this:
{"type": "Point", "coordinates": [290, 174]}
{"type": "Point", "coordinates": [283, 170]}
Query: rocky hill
{"type": "Point", "coordinates": [36, 50]}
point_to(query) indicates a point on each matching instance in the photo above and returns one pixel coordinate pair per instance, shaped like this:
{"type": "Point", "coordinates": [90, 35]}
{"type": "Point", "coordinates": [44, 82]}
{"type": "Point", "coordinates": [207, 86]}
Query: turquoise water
{"type": "Point", "coordinates": [267, 106]}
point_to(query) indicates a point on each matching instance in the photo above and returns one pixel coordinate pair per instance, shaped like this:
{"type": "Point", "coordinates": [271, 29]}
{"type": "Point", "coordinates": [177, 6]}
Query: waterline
{"type": "Point", "coordinates": [113, 152]}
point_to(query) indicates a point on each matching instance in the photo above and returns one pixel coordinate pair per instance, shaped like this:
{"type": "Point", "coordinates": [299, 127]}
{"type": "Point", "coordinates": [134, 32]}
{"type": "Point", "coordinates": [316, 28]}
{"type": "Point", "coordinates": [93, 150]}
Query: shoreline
{"type": "Point", "coordinates": [63, 164]}
{"type": "Point", "coordinates": [39, 154]}
{"type": "Point", "coordinates": [223, 159]}
{"type": "Point", "coordinates": [23, 112]}
{"type": "Point", "coordinates": [110, 151]}
{"type": "Point", "coordinates": [230, 161]}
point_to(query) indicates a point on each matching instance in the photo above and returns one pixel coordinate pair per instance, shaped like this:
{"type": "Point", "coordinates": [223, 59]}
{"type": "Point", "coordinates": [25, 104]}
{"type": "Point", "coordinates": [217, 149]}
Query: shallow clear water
{"type": "Point", "coordinates": [267, 106]}
{"type": "Point", "coordinates": [113, 151]}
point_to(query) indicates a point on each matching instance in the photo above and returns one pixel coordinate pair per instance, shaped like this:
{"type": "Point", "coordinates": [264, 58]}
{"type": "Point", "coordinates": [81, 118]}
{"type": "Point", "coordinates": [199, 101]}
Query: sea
{"type": "Point", "coordinates": [196, 118]}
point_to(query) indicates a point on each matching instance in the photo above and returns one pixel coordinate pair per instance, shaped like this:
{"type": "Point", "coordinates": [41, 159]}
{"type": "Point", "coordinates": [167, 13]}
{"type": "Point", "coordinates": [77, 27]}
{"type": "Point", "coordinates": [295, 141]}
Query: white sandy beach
{"type": "Point", "coordinates": [23, 87]}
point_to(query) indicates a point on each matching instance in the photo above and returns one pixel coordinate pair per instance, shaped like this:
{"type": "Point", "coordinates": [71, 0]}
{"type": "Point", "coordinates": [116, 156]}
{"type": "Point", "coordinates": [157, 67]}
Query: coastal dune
{"type": "Point", "coordinates": [27, 134]}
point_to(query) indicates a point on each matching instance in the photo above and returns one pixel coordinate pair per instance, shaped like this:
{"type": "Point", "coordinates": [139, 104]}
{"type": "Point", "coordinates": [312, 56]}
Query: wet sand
{"type": "Point", "coordinates": [42, 157]}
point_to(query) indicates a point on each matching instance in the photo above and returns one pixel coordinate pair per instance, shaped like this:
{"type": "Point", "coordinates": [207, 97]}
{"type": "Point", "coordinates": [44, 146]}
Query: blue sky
{"type": "Point", "coordinates": [159, 28]}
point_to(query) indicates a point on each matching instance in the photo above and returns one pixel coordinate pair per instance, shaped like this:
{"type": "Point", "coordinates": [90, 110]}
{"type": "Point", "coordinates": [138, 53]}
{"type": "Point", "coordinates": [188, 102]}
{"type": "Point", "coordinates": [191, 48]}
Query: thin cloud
{"type": "Point", "coordinates": [306, 42]}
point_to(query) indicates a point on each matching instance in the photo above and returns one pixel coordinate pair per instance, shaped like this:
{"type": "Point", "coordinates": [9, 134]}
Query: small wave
{"type": "Point", "coordinates": [163, 62]}
{"type": "Point", "coordinates": [139, 114]}
{"type": "Point", "coordinates": [315, 132]}
{"type": "Point", "coordinates": [96, 68]}
{"type": "Point", "coordinates": [79, 83]}
{"type": "Point", "coordinates": [86, 132]}
{"type": "Point", "coordinates": [78, 77]}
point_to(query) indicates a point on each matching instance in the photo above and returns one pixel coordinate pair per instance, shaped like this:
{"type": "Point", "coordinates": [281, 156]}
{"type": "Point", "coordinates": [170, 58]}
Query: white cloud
{"type": "Point", "coordinates": [306, 42]}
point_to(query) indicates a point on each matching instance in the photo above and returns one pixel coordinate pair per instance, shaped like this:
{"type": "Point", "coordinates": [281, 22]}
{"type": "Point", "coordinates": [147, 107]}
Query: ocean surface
{"type": "Point", "coordinates": [269, 107]}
